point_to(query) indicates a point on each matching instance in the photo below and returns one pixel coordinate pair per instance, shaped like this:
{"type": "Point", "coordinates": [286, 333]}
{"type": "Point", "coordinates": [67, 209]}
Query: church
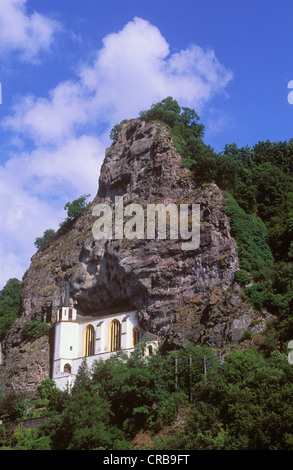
{"type": "Point", "coordinates": [96, 337]}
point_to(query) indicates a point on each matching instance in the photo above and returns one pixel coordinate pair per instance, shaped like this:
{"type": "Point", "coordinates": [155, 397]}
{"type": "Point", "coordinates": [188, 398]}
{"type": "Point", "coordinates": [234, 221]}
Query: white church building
{"type": "Point", "coordinates": [95, 337]}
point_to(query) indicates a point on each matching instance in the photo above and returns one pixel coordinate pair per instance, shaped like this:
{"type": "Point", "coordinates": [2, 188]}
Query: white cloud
{"type": "Point", "coordinates": [53, 119]}
{"type": "Point", "coordinates": [27, 34]}
{"type": "Point", "coordinates": [71, 167]}
{"type": "Point", "coordinates": [23, 217]}
{"type": "Point", "coordinates": [135, 69]}
{"type": "Point", "coordinates": [34, 188]}
{"type": "Point", "coordinates": [132, 70]}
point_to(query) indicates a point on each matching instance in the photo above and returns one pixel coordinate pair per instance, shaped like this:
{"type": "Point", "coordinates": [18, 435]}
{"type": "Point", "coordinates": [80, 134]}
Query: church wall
{"type": "Point", "coordinates": [68, 346]}
{"type": "Point", "coordinates": [70, 343]}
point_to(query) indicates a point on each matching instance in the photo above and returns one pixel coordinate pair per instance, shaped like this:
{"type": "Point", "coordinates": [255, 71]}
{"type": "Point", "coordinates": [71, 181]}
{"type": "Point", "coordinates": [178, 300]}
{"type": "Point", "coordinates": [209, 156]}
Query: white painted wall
{"type": "Point", "coordinates": [69, 337]}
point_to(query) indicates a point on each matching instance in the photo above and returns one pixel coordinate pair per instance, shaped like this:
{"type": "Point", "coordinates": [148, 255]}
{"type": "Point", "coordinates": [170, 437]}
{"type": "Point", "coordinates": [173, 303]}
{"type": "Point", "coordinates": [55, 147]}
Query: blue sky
{"type": "Point", "coordinates": [72, 69]}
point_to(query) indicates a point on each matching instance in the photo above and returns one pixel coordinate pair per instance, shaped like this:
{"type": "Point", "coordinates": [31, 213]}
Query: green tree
{"type": "Point", "coordinates": [29, 440]}
{"type": "Point", "coordinates": [114, 131]}
{"type": "Point", "coordinates": [248, 407]}
{"type": "Point", "coordinates": [76, 207]}
{"type": "Point", "coordinates": [35, 328]}
{"type": "Point", "coordinates": [9, 305]}
{"type": "Point", "coordinates": [85, 425]}
{"type": "Point", "coordinates": [74, 210]}
{"type": "Point", "coordinates": [83, 378]}
{"type": "Point", "coordinates": [251, 236]}
{"type": "Point", "coordinates": [167, 111]}
{"type": "Point", "coordinates": [50, 396]}
{"type": "Point", "coordinates": [86, 420]}
{"type": "Point", "coordinates": [43, 242]}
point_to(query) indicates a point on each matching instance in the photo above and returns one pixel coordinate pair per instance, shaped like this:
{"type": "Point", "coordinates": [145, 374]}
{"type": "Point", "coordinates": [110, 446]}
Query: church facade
{"type": "Point", "coordinates": [96, 337]}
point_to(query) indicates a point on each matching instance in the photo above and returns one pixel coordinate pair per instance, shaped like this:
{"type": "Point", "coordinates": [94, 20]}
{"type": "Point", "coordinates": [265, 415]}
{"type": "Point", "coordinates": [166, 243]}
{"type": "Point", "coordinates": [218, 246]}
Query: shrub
{"type": "Point", "coordinates": [35, 328]}
{"type": "Point", "coordinates": [43, 242]}
{"type": "Point", "coordinates": [251, 236]}
{"type": "Point", "coordinates": [242, 278]}
{"type": "Point", "coordinates": [74, 209]}
{"type": "Point", "coordinates": [114, 131]}
{"type": "Point", "coordinates": [247, 334]}
{"type": "Point", "coordinates": [9, 305]}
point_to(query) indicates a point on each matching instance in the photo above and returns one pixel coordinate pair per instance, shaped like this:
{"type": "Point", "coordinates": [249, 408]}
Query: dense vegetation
{"type": "Point", "coordinates": [125, 403]}
{"type": "Point", "coordinates": [9, 305]}
{"type": "Point", "coordinates": [244, 402]}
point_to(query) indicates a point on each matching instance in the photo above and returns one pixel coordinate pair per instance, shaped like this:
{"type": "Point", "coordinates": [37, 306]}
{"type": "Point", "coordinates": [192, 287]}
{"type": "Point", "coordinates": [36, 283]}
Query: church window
{"type": "Point", "coordinates": [150, 350]}
{"type": "Point", "coordinates": [115, 336]}
{"type": "Point", "coordinates": [70, 314]}
{"type": "Point", "coordinates": [67, 368]}
{"type": "Point", "coordinates": [135, 335]}
{"type": "Point", "coordinates": [88, 341]}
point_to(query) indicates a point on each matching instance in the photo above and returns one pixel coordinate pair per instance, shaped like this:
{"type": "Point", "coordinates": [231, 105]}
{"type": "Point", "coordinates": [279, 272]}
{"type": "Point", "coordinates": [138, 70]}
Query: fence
{"type": "Point", "coordinates": [188, 370]}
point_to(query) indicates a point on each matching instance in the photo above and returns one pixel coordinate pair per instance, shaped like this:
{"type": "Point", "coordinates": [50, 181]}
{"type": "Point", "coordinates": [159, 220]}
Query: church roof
{"type": "Point", "coordinates": [149, 336]}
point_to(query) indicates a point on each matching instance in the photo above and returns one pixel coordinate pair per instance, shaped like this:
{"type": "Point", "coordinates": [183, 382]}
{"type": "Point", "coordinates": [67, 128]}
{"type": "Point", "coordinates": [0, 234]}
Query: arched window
{"type": "Point", "coordinates": [115, 336]}
{"type": "Point", "coordinates": [67, 368]}
{"type": "Point", "coordinates": [150, 350]}
{"type": "Point", "coordinates": [135, 336]}
{"type": "Point", "coordinates": [88, 341]}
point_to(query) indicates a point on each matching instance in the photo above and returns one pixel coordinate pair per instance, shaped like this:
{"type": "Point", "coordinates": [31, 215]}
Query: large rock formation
{"type": "Point", "coordinates": [181, 295]}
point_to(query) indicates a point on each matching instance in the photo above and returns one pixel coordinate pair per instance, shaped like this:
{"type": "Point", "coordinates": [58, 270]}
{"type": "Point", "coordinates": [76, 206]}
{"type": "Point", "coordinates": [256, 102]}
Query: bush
{"type": "Point", "coordinates": [242, 278]}
{"type": "Point", "coordinates": [167, 111]}
{"type": "Point", "coordinates": [74, 209]}
{"type": "Point", "coordinates": [247, 334]}
{"type": "Point", "coordinates": [114, 131]}
{"type": "Point", "coordinates": [251, 236]}
{"type": "Point", "coordinates": [184, 122]}
{"type": "Point", "coordinates": [9, 305]}
{"type": "Point", "coordinates": [35, 328]}
{"type": "Point", "coordinates": [43, 242]}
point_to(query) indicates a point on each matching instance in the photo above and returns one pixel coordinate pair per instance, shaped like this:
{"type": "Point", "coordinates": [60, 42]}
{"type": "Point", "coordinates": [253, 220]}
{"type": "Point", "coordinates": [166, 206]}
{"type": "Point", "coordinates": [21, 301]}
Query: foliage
{"type": "Point", "coordinates": [35, 328]}
{"type": "Point", "coordinates": [251, 236]}
{"type": "Point", "coordinates": [85, 425]}
{"type": "Point", "coordinates": [48, 395]}
{"type": "Point", "coordinates": [242, 278]}
{"type": "Point", "coordinates": [247, 408]}
{"type": "Point", "coordinates": [76, 207]}
{"type": "Point", "coordinates": [184, 122]}
{"type": "Point", "coordinates": [132, 387]}
{"type": "Point", "coordinates": [244, 405]}
{"type": "Point", "coordinates": [9, 305]}
{"type": "Point", "coordinates": [114, 131]}
{"type": "Point", "coordinates": [83, 378]}
{"type": "Point", "coordinates": [74, 210]}
{"type": "Point", "coordinates": [43, 242]}
{"type": "Point", "coordinates": [169, 112]}
{"type": "Point", "coordinates": [13, 406]}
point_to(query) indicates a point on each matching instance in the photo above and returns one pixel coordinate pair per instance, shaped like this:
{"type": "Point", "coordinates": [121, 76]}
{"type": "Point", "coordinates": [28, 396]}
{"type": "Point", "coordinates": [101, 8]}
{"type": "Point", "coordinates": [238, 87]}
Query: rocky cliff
{"type": "Point", "coordinates": [180, 295]}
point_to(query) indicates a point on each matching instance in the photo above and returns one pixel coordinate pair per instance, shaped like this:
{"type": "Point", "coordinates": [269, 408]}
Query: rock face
{"type": "Point", "coordinates": [181, 295]}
